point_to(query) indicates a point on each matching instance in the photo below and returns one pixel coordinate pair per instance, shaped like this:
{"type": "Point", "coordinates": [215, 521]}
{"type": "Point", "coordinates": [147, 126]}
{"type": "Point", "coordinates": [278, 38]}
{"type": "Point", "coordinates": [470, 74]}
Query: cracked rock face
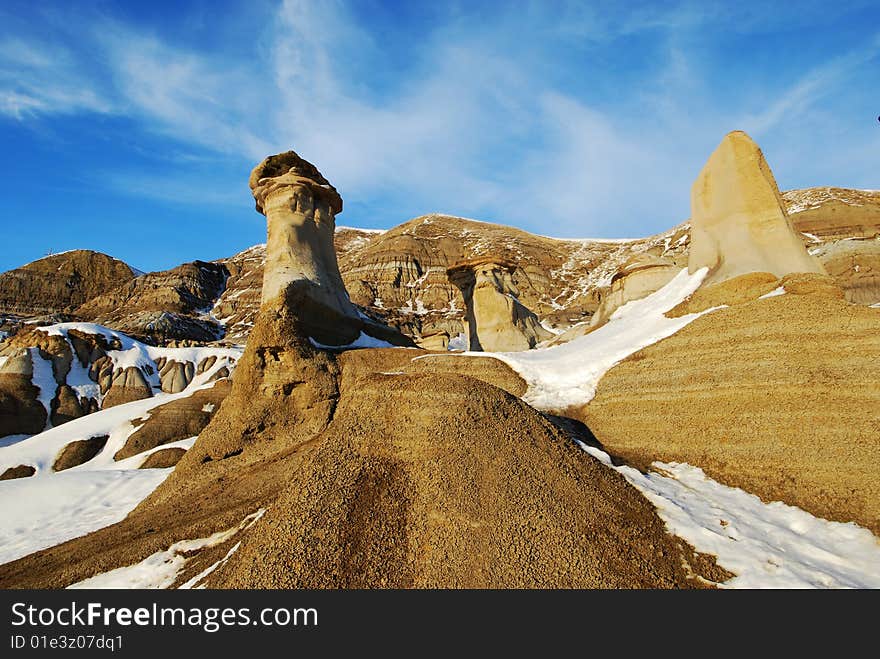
{"type": "Point", "coordinates": [739, 223]}
{"type": "Point", "coordinates": [495, 319]}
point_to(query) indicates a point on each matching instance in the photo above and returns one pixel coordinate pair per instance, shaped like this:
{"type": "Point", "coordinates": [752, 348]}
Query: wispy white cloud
{"type": "Point", "coordinates": [813, 86]}
{"type": "Point", "coordinates": [479, 121]}
{"type": "Point", "coordinates": [37, 78]}
{"type": "Point", "coordinates": [197, 98]}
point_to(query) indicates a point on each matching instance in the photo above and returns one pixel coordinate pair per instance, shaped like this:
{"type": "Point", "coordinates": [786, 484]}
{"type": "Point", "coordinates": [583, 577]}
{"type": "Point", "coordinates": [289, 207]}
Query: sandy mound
{"type": "Point", "coordinates": [442, 481]}
{"type": "Point", "coordinates": [731, 293]}
{"type": "Point", "coordinates": [425, 479]}
{"type": "Point", "coordinates": [778, 396]}
{"type": "Point", "coordinates": [357, 363]}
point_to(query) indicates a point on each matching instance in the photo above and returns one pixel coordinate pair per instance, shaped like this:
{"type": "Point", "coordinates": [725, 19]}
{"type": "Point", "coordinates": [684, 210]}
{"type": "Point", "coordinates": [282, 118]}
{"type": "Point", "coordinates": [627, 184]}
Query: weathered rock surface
{"type": "Point", "coordinates": [639, 276]}
{"type": "Point", "coordinates": [128, 384]}
{"type": "Point", "coordinates": [495, 319]}
{"type": "Point", "coordinates": [163, 306]}
{"type": "Point", "coordinates": [21, 413]}
{"type": "Point", "coordinates": [400, 275]}
{"type": "Point", "coordinates": [300, 208]}
{"type": "Point", "coordinates": [179, 419]}
{"type": "Point", "coordinates": [842, 230]}
{"type": "Point", "coordinates": [60, 282]}
{"type": "Point", "coordinates": [67, 406]}
{"type": "Point", "coordinates": [738, 218]}
{"type": "Point", "coordinates": [163, 458]}
{"type": "Point", "coordinates": [79, 452]}
{"type": "Point", "coordinates": [91, 369]}
{"type": "Point", "coordinates": [778, 396]}
{"type": "Point", "coordinates": [459, 485]}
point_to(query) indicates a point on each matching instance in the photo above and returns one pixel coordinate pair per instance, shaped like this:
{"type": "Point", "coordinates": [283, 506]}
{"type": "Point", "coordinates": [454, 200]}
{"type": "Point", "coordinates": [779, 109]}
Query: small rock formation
{"type": "Point", "coordinates": [175, 376]}
{"type": "Point", "coordinates": [21, 413]}
{"type": "Point", "coordinates": [128, 384]}
{"type": "Point", "coordinates": [19, 471]}
{"type": "Point", "coordinates": [163, 458]}
{"type": "Point", "coordinates": [79, 452]}
{"type": "Point", "coordinates": [495, 319]}
{"type": "Point", "coordinates": [738, 218]}
{"type": "Point", "coordinates": [176, 420]}
{"type": "Point", "coordinates": [639, 276]}
{"type": "Point", "coordinates": [435, 340]}
{"type": "Point", "coordinates": [67, 406]}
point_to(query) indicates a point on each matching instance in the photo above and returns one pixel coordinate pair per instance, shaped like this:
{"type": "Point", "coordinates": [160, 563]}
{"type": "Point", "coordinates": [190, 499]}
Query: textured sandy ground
{"type": "Point", "coordinates": [443, 481]}
{"type": "Point", "coordinates": [779, 396]}
{"type": "Point", "coordinates": [410, 480]}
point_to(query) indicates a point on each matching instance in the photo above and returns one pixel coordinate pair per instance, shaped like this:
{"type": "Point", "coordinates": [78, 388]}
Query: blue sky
{"type": "Point", "coordinates": [130, 128]}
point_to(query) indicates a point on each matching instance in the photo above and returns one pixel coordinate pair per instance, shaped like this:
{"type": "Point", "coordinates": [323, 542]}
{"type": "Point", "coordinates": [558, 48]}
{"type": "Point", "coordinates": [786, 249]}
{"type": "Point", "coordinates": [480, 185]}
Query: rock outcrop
{"type": "Point", "coordinates": [639, 276]}
{"type": "Point", "coordinates": [128, 384]}
{"type": "Point", "coordinates": [300, 207]}
{"type": "Point", "coordinates": [738, 218]}
{"type": "Point", "coordinates": [842, 230]}
{"type": "Point", "coordinates": [399, 276]}
{"type": "Point", "coordinates": [163, 458]}
{"type": "Point", "coordinates": [79, 452]}
{"type": "Point", "coordinates": [160, 307]}
{"type": "Point", "coordinates": [495, 319]}
{"type": "Point", "coordinates": [61, 282]}
{"type": "Point", "coordinates": [21, 413]}
{"type": "Point", "coordinates": [89, 367]}
{"type": "Point", "coordinates": [179, 419]}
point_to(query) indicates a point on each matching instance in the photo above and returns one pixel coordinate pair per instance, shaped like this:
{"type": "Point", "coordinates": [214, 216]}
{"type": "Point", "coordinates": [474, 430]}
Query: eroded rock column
{"type": "Point", "coordinates": [738, 219]}
{"type": "Point", "coordinates": [300, 207]}
{"type": "Point", "coordinates": [495, 320]}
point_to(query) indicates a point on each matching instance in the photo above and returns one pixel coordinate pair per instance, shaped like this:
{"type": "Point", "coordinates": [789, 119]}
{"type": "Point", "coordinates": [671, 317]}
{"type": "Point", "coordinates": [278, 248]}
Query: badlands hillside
{"type": "Point", "coordinates": [454, 403]}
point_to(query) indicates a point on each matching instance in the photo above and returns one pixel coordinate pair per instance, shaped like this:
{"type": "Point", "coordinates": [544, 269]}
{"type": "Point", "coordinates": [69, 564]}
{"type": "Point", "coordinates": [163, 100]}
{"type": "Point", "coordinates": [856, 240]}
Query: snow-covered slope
{"type": "Point", "coordinates": [52, 507]}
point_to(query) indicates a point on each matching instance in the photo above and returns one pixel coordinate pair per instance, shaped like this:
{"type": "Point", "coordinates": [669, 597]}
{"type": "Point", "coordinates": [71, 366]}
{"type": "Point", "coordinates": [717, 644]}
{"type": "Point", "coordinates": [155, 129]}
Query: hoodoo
{"type": "Point", "coordinates": [301, 268]}
{"type": "Point", "coordinates": [738, 219]}
{"type": "Point", "coordinates": [496, 321]}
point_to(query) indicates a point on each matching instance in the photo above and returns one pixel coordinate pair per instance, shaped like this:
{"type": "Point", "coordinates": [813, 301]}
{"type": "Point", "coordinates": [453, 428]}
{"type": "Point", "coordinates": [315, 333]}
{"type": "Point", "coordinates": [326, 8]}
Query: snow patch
{"type": "Point", "coordinates": [44, 379]}
{"type": "Point", "coordinates": [767, 545]}
{"type": "Point", "coordinates": [565, 375]}
{"type": "Point", "coordinates": [69, 504]}
{"type": "Point", "coordinates": [774, 293]}
{"type": "Point", "coordinates": [458, 343]}
{"type": "Point", "coordinates": [160, 570]}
